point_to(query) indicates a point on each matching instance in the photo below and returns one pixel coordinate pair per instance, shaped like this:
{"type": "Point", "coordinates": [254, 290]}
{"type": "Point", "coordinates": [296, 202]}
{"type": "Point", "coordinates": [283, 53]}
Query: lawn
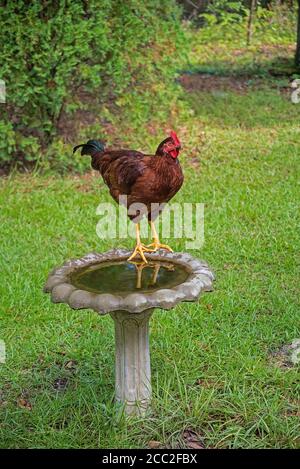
{"type": "Point", "coordinates": [213, 365]}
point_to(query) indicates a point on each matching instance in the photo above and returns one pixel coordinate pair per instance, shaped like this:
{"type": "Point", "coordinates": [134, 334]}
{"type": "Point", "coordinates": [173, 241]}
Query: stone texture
{"type": "Point", "coordinates": [200, 279]}
{"type": "Point", "coordinates": [132, 363]}
{"type": "Point", "coordinates": [131, 315]}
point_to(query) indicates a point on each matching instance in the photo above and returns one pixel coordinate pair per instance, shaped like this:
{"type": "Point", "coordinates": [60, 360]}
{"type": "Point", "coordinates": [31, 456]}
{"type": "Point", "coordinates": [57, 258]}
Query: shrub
{"type": "Point", "coordinates": [63, 57]}
{"type": "Point", "coordinates": [227, 21]}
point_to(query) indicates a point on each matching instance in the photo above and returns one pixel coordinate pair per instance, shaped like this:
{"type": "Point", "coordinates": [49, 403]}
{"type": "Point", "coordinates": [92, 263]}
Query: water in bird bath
{"type": "Point", "coordinates": [122, 277]}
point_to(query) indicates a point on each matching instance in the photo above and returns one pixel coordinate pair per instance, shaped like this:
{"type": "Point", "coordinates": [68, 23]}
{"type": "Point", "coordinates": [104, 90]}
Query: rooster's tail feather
{"type": "Point", "coordinates": [90, 148]}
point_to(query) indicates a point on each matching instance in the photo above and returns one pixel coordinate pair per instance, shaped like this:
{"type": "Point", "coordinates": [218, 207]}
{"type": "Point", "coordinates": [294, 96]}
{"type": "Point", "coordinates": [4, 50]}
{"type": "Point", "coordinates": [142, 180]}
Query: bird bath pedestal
{"type": "Point", "coordinates": [129, 292]}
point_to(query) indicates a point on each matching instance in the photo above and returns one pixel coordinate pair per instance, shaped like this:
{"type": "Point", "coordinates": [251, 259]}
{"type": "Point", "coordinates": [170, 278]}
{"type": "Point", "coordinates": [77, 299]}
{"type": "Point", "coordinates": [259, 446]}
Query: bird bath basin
{"type": "Point", "coordinates": [129, 292]}
{"type": "Point", "coordinates": [122, 278]}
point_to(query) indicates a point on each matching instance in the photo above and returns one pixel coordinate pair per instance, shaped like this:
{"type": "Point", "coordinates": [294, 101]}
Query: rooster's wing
{"type": "Point", "coordinates": [120, 170]}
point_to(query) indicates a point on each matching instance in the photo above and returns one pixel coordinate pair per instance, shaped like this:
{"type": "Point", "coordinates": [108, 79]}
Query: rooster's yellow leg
{"type": "Point", "coordinates": [155, 274]}
{"type": "Point", "coordinates": [139, 248]}
{"type": "Point", "coordinates": [156, 243]}
{"type": "Point", "coordinates": [139, 269]}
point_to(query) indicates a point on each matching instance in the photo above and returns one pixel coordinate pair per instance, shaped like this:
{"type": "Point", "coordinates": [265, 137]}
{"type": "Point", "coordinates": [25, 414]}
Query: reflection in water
{"type": "Point", "coordinates": [122, 277]}
{"type": "Point", "coordinates": [155, 266]}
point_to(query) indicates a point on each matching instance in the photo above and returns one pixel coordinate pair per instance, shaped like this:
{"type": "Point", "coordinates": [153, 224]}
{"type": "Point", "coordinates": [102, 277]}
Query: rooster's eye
{"type": "Point", "coordinates": [168, 148]}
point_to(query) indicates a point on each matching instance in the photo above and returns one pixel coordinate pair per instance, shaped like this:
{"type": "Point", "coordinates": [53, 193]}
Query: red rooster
{"type": "Point", "coordinates": [144, 179]}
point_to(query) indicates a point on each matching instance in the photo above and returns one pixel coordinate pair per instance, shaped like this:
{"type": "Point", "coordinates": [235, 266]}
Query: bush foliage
{"type": "Point", "coordinates": [62, 57]}
{"type": "Point", "coordinates": [106, 69]}
{"type": "Point", "coordinates": [227, 20]}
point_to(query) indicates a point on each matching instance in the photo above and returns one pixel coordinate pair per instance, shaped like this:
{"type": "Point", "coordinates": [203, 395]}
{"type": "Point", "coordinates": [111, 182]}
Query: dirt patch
{"type": "Point", "coordinates": [60, 384]}
{"type": "Point", "coordinates": [206, 83]}
{"type": "Point", "coordinates": [210, 83]}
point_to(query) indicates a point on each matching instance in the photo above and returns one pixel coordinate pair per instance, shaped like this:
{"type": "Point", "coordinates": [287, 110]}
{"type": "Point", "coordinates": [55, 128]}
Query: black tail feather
{"type": "Point", "coordinates": [90, 147]}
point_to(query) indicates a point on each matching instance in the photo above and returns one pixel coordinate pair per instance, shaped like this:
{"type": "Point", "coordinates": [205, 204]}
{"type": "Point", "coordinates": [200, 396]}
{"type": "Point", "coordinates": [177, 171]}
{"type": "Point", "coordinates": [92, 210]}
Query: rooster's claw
{"type": "Point", "coordinates": [139, 250]}
{"type": "Point", "coordinates": [157, 245]}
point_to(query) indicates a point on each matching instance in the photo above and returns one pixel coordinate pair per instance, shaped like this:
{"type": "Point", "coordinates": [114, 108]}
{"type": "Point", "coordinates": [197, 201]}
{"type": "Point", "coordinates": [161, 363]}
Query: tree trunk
{"type": "Point", "coordinates": [250, 21]}
{"type": "Point", "coordinates": [297, 56]}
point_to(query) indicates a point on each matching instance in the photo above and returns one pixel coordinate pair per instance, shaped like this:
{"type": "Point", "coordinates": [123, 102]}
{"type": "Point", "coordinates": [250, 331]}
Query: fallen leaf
{"type": "Point", "coordinates": [195, 445]}
{"type": "Point", "coordinates": [192, 439]}
{"type": "Point", "coordinates": [41, 358]}
{"type": "Point", "coordinates": [24, 404]}
{"type": "Point", "coordinates": [153, 444]}
{"type": "Point", "coordinates": [71, 364]}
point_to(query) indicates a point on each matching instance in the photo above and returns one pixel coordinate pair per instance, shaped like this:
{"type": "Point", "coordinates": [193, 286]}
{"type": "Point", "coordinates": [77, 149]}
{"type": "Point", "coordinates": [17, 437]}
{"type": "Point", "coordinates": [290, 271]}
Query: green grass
{"type": "Point", "coordinates": [211, 364]}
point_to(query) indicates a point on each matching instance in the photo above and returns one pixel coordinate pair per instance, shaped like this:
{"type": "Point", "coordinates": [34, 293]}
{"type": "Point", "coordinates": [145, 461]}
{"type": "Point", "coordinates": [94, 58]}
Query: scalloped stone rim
{"type": "Point", "coordinates": [59, 284]}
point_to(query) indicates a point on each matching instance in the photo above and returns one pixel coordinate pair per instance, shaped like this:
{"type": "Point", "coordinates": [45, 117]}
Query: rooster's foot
{"type": "Point", "coordinates": [157, 245]}
{"type": "Point", "coordinates": [139, 251]}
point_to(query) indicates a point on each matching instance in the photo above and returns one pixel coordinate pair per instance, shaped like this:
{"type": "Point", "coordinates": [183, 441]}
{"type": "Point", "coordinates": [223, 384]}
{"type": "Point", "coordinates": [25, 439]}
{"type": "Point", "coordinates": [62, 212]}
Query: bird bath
{"type": "Point", "coordinates": [129, 292]}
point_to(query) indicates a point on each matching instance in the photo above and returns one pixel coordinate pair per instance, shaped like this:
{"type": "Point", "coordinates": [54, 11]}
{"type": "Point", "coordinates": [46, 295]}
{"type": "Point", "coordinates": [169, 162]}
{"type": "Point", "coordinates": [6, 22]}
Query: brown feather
{"type": "Point", "coordinates": [143, 178]}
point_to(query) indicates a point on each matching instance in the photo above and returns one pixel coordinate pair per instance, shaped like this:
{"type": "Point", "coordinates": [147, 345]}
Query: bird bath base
{"type": "Point", "coordinates": [129, 292]}
{"type": "Point", "coordinates": [132, 364]}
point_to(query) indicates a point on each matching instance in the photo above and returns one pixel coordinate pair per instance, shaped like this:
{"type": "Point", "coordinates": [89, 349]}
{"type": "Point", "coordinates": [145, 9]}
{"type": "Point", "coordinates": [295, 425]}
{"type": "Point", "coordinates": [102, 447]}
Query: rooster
{"type": "Point", "coordinates": [144, 179]}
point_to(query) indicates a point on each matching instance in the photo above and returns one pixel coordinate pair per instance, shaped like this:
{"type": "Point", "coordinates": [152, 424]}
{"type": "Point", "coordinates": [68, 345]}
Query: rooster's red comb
{"type": "Point", "coordinates": [174, 137]}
